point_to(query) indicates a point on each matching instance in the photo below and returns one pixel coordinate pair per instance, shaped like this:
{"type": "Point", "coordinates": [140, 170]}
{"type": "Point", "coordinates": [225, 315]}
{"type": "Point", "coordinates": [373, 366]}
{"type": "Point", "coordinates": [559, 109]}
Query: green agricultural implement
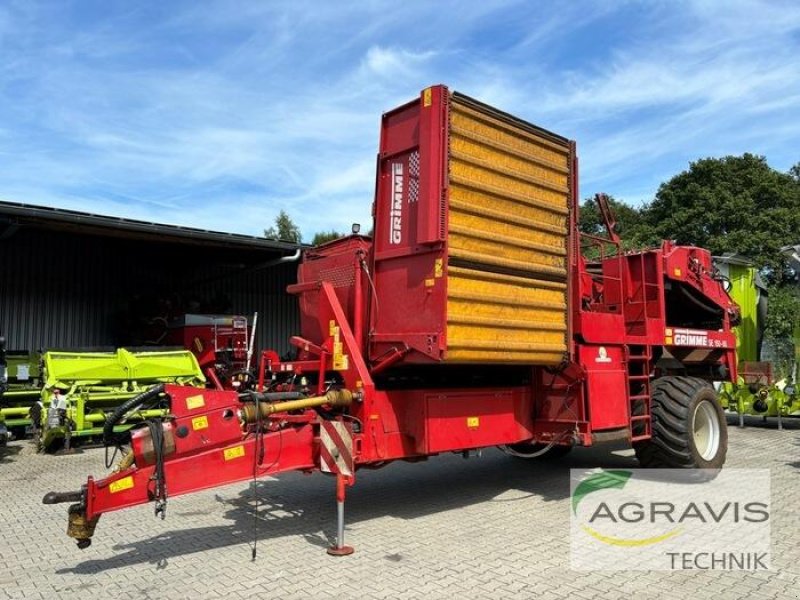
{"type": "Point", "coordinates": [756, 392]}
{"type": "Point", "coordinates": [95, 383]}
{"type": "Point", "coordinates": [3, 430]}
{"type": "Point", "coordinates": [20, 388]}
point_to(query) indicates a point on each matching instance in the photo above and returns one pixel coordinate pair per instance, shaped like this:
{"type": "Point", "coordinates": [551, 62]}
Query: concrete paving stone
{"type": "Point", "coordinates": [491, 527]}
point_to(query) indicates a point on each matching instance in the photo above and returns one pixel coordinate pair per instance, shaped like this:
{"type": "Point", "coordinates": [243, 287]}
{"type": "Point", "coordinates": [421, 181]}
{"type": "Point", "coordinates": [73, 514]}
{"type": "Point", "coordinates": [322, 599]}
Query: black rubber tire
{"type": "Point", "coordinates": [674, 406]}
{"type": "Point", "coordinates": [555, 452]}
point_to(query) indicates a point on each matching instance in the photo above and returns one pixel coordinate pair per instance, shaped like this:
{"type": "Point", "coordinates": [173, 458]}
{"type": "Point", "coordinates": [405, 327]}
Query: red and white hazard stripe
{"type": "Point", "coordinates": [336, 448]}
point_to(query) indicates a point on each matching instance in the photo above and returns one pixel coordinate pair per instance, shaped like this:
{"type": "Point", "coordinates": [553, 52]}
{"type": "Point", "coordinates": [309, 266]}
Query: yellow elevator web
{"type": "Point", "coordinates": [509, 209]}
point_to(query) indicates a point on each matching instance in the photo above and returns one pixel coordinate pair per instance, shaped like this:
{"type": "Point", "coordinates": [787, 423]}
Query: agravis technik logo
{"type": "Point", "coordinates": [605, 480]}
{"type": "Point", "coordinates": [670, 519]}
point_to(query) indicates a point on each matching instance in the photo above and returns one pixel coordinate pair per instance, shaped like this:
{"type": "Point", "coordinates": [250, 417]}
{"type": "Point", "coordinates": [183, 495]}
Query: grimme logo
{"type": "Point", "coordinates": [664, 519]}
{"type": "Point", "coordinates": [396, 207]}
{"type": "Point", "coordinates": [690, 337]}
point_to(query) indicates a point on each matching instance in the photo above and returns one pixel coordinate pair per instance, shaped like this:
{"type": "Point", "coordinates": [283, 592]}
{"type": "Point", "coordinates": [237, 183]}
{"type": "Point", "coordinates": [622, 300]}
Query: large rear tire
{"type": "Point", "coordinates": [689, 428]}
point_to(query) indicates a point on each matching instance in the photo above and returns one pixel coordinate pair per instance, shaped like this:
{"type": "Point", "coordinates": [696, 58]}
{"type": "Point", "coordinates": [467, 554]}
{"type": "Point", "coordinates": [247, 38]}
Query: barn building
{"type": "Point", "coordinates": [74, 280]}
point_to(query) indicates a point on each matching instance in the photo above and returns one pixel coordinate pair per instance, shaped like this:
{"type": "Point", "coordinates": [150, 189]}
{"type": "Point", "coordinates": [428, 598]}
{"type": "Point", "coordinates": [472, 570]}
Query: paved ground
{"type": "Point", "coordinates": [491, 527]}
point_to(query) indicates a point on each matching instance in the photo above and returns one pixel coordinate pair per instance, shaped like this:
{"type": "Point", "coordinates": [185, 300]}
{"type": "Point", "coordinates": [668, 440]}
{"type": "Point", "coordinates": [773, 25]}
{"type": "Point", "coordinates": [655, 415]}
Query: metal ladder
{"type": "Point", "coordinates": [638, 372]}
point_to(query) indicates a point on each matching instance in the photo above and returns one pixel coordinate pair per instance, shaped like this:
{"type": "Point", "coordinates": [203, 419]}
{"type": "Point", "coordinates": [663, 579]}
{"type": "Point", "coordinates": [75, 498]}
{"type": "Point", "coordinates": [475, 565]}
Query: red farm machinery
{"type": "Point", "coordinates": [477, 315]}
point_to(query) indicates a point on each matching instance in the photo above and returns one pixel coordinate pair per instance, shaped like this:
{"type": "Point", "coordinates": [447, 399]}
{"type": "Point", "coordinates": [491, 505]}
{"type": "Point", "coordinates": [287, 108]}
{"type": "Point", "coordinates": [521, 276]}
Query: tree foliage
{"type": "Point", "coordinates": [733, 204]}
{"type": "Point", "coordinates": [284, 229]}
{"type": "Point", "coordinates": [631, 226]}
{"type": "Point", "coordinates": [783, 311]}
{"type": "Point", "coordinates": [322, 237]}
{"type": "Point", "coordinates": [783, 317]}
{"type": "Point", "coordinates": [794, 172]}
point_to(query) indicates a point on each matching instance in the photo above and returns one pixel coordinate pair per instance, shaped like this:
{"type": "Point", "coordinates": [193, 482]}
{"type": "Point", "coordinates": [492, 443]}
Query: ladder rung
{"type": "Point", "coordinates": [639, 397]}
{"type": "Point", "coordinates": [638, 377]}
{"type": "Point", "coordinates": [640, 417]}
{"type": "Point", "coordinates": [636, 438]}
{"type": "Point", "coordinates": [638, 357]}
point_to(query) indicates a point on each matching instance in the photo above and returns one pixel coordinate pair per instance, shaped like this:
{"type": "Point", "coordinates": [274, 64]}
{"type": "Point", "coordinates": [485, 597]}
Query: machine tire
{"type": "Point", "coordinates": [689, 427]}
{"type": "Point", "coordinates": [555, 452]}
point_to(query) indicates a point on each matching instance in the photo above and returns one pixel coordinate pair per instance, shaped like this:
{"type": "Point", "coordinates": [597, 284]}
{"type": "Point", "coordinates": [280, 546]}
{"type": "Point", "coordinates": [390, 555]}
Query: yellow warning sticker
{"type": "Point", "coordinates": [437, 268]}
{"type": "Point", "coordinates": [235, 452]}
{"type": "Point", "coordinates": [120, 485]}
{"type": "Point", "coordinates": [341, 362]}
{"type": "Point", "coordinates": [430, 282]}
{"type": "Point", "coordinates": [473, 422]}
{"type": "Point", "coordinates": [677, 272]}
{"type": "Point", "coordinates": [200, 423]}
{"type": "Point", "coordinates": [193, 402]}
{"type": "Point", "coordinates": [426, 97]}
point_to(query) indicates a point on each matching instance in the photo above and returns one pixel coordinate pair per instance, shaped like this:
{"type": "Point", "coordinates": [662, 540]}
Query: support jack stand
{"type": "Point", "coordinates": [339, 549]}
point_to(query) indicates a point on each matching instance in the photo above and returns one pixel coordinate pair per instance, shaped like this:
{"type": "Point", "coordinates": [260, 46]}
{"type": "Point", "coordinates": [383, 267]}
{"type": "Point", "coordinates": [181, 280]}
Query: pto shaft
{"type": "Point", "coordinates": [333, 398]}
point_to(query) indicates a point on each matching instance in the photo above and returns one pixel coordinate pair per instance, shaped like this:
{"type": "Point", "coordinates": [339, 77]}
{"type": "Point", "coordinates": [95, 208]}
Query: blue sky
{"type": "Point", "coordinates": [219, 114]}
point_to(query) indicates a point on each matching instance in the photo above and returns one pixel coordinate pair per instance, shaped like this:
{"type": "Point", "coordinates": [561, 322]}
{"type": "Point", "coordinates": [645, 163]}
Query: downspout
{"type": "Point", "coordinates": [278, 261]}
{"type": "Point", "coordinates": [260, 267]}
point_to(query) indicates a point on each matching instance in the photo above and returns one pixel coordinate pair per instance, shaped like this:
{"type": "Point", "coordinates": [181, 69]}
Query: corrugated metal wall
{"type": "Point", "coordinates": [67, 290]}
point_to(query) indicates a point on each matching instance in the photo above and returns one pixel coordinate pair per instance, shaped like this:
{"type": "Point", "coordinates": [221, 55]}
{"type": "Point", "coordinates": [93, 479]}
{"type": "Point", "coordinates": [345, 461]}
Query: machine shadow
{"type": "Point", "coordinates": [790, 426]}
{"type": "Point", "coordinates": [9, 452]}
{"type": "Point", "coordinates": [795, 463]}
{"type": "Point", "coordinates": [298, 505]}
{"type": "Point", "coordinates": [788, 423]}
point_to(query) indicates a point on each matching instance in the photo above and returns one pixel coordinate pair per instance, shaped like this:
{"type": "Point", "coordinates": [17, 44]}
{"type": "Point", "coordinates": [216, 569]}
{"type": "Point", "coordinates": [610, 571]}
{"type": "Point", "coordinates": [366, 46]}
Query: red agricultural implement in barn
{"type": "Point", "coordinates": [477, 316]}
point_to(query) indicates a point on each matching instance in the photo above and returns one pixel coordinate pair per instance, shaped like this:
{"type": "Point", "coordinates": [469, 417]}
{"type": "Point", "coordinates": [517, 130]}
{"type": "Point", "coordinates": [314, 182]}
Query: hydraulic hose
{"type": "Point", "coordinates": [709, 308]}
{"type": "Point", "coordinates": [270, 396]}
{"type": "Point", "coordinates": [126, 407]}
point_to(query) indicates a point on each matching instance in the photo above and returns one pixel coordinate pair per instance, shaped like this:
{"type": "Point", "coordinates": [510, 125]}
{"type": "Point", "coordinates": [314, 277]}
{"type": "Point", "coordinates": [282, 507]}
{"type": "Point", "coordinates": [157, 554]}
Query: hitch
{"type": "Point", "coordinates": [79, 527]}
{"type": "Point", "coordinates": [61, 497]}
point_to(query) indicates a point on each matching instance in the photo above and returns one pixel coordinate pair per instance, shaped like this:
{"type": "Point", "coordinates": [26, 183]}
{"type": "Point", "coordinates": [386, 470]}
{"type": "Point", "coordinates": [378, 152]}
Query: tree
{"type": "Point", "coordinates": [739, 204]}
{"type": "Point", "coordinates": [326, 236]}
{"type": "Point", "coordinates": [632, 229]}
{"type": "Point", "coordinates": [732, 204]}
{"type": "Point", "coordinates": [794, 172]}
{"type": "Point", "coordinates": [284, 229]}
{"type": "Point", "coordinates": [783, 319]}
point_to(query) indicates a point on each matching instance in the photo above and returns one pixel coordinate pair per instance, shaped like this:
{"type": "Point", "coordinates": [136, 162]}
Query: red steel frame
{"type": "Point", "coordinates": [408, 424]}
{"type": "Point", "coordinates": [589, 395]}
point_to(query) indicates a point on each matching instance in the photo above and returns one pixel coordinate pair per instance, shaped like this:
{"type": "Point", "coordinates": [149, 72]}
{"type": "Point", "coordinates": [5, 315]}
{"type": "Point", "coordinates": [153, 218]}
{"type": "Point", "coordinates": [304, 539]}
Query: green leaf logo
{"type": "Point", "coordinates": [606, 480]}
{"type": "Point", "coordinates": [596, 482]}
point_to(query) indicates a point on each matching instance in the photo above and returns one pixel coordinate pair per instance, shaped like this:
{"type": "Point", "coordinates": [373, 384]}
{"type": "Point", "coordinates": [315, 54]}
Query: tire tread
{"type": "Point", "coordinates": [670, 445]}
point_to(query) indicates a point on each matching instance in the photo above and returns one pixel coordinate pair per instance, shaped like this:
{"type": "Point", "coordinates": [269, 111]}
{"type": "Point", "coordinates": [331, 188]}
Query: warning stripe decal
{"type": "Point", "coordinates": [340, 443]}
{"type": "Point", "coordinates": [336, 448]}
{"type": "Point", "coordinates": [327, 462]}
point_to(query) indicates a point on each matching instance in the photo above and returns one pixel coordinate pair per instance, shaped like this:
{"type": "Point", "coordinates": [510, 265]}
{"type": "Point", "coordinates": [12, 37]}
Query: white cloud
{"type": "Point", "coordinates": [219, 115]}
{"type": "Point", "coordinates": [391, 63]}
